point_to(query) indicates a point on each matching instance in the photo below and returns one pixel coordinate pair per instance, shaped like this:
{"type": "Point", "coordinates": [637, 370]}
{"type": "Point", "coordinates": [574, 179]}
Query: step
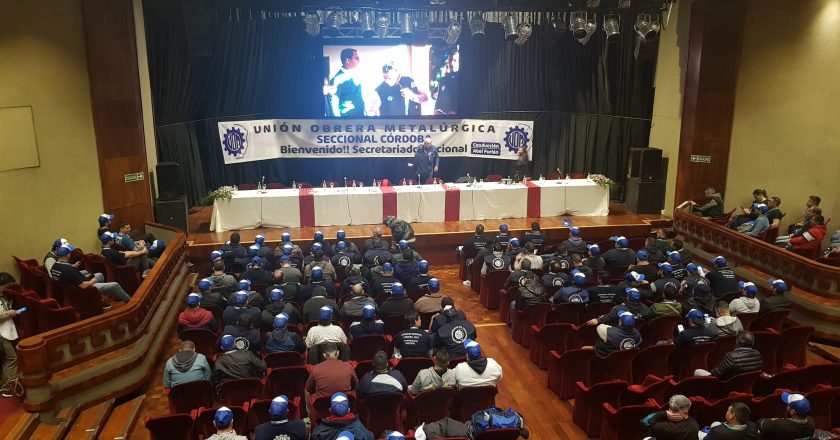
{"type": "Point", "coordinates": [122, 419]}
{"type": "Point", "coordinates": [90, 421]}
{"type": "Point", "coordinates": [56, 431]}
{"type": "Point", "coordinates": [24, 427]}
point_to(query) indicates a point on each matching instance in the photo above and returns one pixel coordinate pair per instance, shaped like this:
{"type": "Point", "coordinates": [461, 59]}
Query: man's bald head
{"type": "Point", "coordinates": [187, 346]}
{"type": "Point", "coordinates": [357, 289]}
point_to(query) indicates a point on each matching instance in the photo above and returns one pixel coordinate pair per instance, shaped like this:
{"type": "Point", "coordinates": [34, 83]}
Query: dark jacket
{"type": "Point", "coordinates": [532, 294]}
{"type": "Point", "coordinates": [740, 360]}
{"type": "Point", "coordinates": [329, 428]}
{"type": "Point", "coordinates": [237, 364]}
{"type": "Point", "coordinates": [401, 229]}
{"type": "Point", "coordinates": [724, 432]}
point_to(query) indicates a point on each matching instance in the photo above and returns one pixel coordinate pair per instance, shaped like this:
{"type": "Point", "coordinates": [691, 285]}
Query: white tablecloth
{"type": "Point", "coordinates": [423, 203]}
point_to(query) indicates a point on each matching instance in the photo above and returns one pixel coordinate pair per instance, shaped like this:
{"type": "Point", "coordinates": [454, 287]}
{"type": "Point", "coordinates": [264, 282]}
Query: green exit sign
{"type": "Point", "coordinates": [133, 177]}
{"type": "Point", "coordinates": [699, 158]}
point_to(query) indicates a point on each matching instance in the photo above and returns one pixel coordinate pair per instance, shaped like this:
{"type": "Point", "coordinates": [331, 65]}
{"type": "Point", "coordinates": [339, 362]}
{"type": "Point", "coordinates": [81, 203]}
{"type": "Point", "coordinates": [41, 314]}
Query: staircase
{"type": "Point", "coordinates": [103, 421]}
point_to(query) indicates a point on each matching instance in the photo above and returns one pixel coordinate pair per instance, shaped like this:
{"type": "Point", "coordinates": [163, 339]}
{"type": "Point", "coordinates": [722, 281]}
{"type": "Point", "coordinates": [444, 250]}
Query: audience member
{"type": "Point", "coordinates": [136, 259]}
{"type": "Point", "coordinates": [239, 307]}
{"type": "Point", "coordinates": [8, 336]}
{"type": "Point", "coordinates": [279, 426]}
{"type": "Point", "coordinates": [381, 286]}
{"type": "Point", "coordinates": [675, 260]}
{"type": "Point", "coordinates": [531, 292]}
{"type": "Point", "coordinates": [643, 267]}
{"type": "Point", "coordinates": [665, 279]}
{"type": "Point", "coordinates": [352, 307]}
{"type": "Point", "coordinates": [331, 375]}
{"type": "Point", "coordinates": [452, 333]}
{"type": "Point", "coordinates": [632, 303]}
{"type": "Point", "coordinates": [777, 300]}
{"type": "Point", "coordinates": [256, 272]}
{"type": "Point", "coordinates": [382, 380]}
{"type": "Point", "coordinates": [440, 318]}
{"type": "Point", "coordinates": [574, 244]}
{"type": "Point", "coordinates": [236, 361]}
{"type": "Point", "coordinates": [725, 324]}
{"type": "Point", "coordinates": [503, 237]}
{"type": "Point", "coordinates": [721, 279]}
{"type": "Point", "coordinates": [209, 296]}
{"type": "Point", "coordinates": [669, 305]}
{"type": "Point", "coordinates": [746, 303]}
{"type": "Point", "coordinates": [701, 300]}
{"type": "Point", "coordinates": [761, 223]}
{"type": "Point", "coordinates": [736, 425]}
{"type": "Point", "coordinates": [655, 256]}
{"type": "Point", "coordinates": [741, 360]}
{"type": "Point", "coordinates": [369, 325]}
{"type": "Point", "coordinates": [195, 316]}
{"type": "Point", "coordinates": [233, 251]}
{"type": "Point", "coordinates": [277, 305]}
{"type": "Point", "coordinates": [555, 276]}
{"type": "Point", "coordinates": [413, 341]}
{"type": "Point", "coordinates": [712, 208]}
{"type": "Point", "coordinates": [186, 366]}
{"type": "Point", "coordinates": [341, 424]}
{"type": "Point", "coordinates": [621, 256]}
{"type": "Point", "coordinates": [535, 236]}
{"type": "Point", "coordinates": [255, 299]}
{"type": "Point", "coordinates": [774, 213]}
{"type": "Point", "coordinates": [674, 423]}
{"type": "Point", "coordinates": [52, 255]}
{"type": "Point", "coordinates": [594, 259]}
{"type": "Point", "coordinates": [437, 376]}
{"type": "Point", "coordinates": [430, 302]}
{"type": "Point", "coordinates": [797, 424]}
{"type": "Point", "coordinates": [694, 331]}
{"type": "Point", "coordinates": [811, 206]}
{"type": "Point", "coordinates": [477, 370]}
{"type": "Point", "coordinates": [223, 421]}
{"type": "Point", "coordinates": [420, 282]}
{"type": "Point", "coordinates": [811, 239]}
{"type": "Point", "coordinates": [623, 337]}
{"type": "Point", "coordinates": [397, 304]}
{"type": "Point", "coordinates": [317, 283]}
{"type": "Point", "coordinates": [321, 261]}
{"type": "Point", "coordinates": [63, 270]}
{"type": "Point", "coordinates": [577, 264]}
{"type": "Point", "coordinates": [223, 283]}
{"type": "Point", "coordinates": [280, 339]}
{"type": "Point", "coordinates": [745, 215]}
{"type": "Point", "coordinates": [104, 224]}
{"type": "Point", "coordinates": [354, 277]}
{"type": "Point", "coordinates": [313, 306]}
{"type": "Point", "coordinates": [245, 329]}
{"type": "Point", "coordinates": [325, 331]}
{"type": "Point", "coordinates": [400, 229]}
{"type": "Point", "coordinates": [604, 292]}
{"type": "Point", "coordinates": [576, 293]}
{"type": "Point", "coordinates": [497, 260]}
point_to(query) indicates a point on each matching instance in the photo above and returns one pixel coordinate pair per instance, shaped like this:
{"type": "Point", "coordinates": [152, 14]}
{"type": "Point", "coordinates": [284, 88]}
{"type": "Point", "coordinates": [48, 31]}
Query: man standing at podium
{"type": "Point", "coordinates": [426, 160]}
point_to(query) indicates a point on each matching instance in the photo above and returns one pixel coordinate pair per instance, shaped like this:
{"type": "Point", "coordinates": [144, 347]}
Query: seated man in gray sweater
{"type": "Point", "coordinates": [438, 376]}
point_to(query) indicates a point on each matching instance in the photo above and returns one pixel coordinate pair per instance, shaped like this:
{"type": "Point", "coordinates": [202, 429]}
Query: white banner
{"type": "Point", "coordinates": [245, 141]}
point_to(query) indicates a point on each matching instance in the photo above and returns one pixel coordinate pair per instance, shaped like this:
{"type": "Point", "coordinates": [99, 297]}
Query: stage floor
{"type": "Point", "coordinates": [439, 238]}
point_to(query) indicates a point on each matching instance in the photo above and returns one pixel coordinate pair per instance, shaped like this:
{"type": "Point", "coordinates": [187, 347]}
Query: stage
{"type": "Point", "coordinates": [436, 239]}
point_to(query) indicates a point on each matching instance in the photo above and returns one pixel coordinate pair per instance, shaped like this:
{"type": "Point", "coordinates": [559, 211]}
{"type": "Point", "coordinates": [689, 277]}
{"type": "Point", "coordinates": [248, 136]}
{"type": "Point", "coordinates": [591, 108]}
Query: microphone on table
{"type": "Point", "coordinates": [345, 181]}
{"type": "Point", "coordinates": [418, 180]}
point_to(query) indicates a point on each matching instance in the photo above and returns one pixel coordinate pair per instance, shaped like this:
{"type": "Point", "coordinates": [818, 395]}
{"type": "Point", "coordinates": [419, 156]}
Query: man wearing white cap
{"type": "Point", "coordinates": [777, 300]}
{"type": "Point", "coordinates": [797, 424]}
{"type": "Point", "coordinates": [341, 424]}
{"type": "Point", "coordinates": [279, 426]}
{"type": "Point", "coordinates": [223, 421]}
{"type": "Point", "coordinates": [477, 370]}
{"type": "Point", "coordinates": [747, 303]}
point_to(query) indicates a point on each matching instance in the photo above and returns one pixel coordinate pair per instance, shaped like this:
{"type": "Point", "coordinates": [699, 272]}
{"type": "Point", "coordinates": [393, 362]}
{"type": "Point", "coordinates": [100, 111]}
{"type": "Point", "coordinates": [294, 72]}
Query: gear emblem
{"type": "Point", "coordinates": [516, 138]}
{"type": "Point", "coordinates": [235, 141]}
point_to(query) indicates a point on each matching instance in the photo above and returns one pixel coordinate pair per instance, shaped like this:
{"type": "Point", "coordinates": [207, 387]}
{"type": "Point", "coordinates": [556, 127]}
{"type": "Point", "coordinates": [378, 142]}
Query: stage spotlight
{"type": "Point", "coordinates": [646, 28]}
{"type": "Point", "coordinates": [555, 28]}
{"type": "Point", "coordinates": [313, 23]}
{"type": "Point", "coordinates": [382, 23]}
{"type": "Point", "coordinates": [511, 29]}
{"type": "Point", "coordinates": [525, 31]}
{"type": "Point", "coordinates": [477, 25]}
{"type": "Point", "coordinates": [583, 25]}
{"type": "Point", "coordinates": [366, 23]}
{"type": "Point", "coordinates": [331, 24]}
{"type": "Point", "coordinates": [406, 25]}
{"type": "Point", "coordinates": [453, 31]}
{"type": "Point", "coordinates": [612, 27]}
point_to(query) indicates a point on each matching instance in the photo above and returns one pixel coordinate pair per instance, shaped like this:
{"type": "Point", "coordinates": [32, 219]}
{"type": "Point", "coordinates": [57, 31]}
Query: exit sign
{"type": "Point", "coordinates": [133, 177]}
{"type": "Point", "coordinates": [699, 158]}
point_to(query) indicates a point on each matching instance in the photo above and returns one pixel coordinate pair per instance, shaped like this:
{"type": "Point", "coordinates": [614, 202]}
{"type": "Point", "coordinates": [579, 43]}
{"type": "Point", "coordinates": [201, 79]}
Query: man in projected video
{"type": "Point", "coordinates": [447, 98]}
{"type": "Point", "coordinates": [398, 94]}
{"type": "Point", "coordinates": [345, 90]}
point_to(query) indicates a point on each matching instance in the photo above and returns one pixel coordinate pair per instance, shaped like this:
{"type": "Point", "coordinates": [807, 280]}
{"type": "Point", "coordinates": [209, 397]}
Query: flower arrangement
{"type": "Point", "coordinates": [222, 193]}
{"type": "Point", "coordinates": [603, 181]}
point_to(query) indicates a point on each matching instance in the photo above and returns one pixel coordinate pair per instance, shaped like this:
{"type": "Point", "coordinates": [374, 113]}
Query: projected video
{"type": "Point", "coordinates": [388, 81]}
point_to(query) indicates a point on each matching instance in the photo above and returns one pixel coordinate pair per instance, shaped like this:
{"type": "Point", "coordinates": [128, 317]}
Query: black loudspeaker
{"type": "Point", "coordinates": [170, 185]}
{"type": "Point", "coordinates": [645, 164]}
{"type": "Point", "coordinates": [644, 197]}
{"type": "Point", "coordinates": [197, 25]}
{"type": "Point", "coordinates": [172, 213]}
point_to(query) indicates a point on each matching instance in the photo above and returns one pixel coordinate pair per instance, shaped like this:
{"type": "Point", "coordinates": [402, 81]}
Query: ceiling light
{"type": "Point", "coordinates": [453, 31]}
{"type": "Point", "coordinates": [382, 23]}
{"type": "Point", "coordinates": [646, 28]}
{"type": "Point", "coordinates": [583, 25]}
{"type": "Point", "coordinates": [366, 23]}
{"type": "Point", "coordinates": [556, 27]}
{"type": "Point", "coordinates": [511, 29]}
{"type": "Point", "coordinates": [612, 27]}
{"type": "Point", "coordinates": [524, 31]}
{"type": "Point", "coordinates": [313, 23]}
{"type": "Point", "coordinates": [406, 25]}
{"type": "Point", "coordinates": [477, 25]}
{"type": "Point", "coordinates": [331, 24]}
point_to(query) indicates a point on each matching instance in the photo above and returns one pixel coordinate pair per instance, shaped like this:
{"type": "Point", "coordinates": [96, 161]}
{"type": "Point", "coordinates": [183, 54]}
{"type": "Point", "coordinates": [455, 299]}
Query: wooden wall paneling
{"type": "Point", "coordinates": [714, 55]}
{"type": "Point", "coordinates": [117, 108]}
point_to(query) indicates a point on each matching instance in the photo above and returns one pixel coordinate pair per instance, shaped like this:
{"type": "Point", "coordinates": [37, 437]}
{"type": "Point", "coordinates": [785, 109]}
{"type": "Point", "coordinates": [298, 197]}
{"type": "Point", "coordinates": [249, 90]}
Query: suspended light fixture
{"type": "Point", "coordinates": [511, 29]}
{"type": "Point", "coordinates": [525, 30]}
{"type": "Point", "coordinates": [583, 25]}
{"type": "Point", "coordinates": [382, 23]}
{"type": "Point", "coordinates": [406, 25]}
{"type": "Point", "coordinates": [477, 25]}
{"type": "Point", "coordinates": [331, 24]}
{"type": "Point", "coordinates": [646, 28]}
{"type": "Point", "coordinates": [612, 27]}
{"type": "Point", "coordinates": [453, 31]}
{"type": "Point", "coordinates": [313, 23]}
{"type": "Point", "coordinates": [556, 27]}
{"type": "Point", "coordinates": [366, 23]}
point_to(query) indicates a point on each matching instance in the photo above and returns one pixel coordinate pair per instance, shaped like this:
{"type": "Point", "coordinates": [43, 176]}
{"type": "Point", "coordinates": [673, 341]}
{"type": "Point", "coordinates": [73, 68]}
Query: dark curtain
{"type": "Point", "coordinates": [590, 103]}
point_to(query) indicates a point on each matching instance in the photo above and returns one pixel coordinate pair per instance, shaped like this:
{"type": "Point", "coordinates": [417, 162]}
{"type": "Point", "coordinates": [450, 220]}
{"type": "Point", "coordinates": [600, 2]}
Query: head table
{"type": "Point", "coordinates": [277, 208]}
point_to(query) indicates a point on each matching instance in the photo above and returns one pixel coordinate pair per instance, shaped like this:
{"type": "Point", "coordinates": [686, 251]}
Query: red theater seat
{"type": "Point", "coordinates": [283, 359]}
{"type": "Point", "coordinates": [568, 312]}
{"type": "Point", "coordinates": [522, 320]}
{"type": "Point", "coordinates": [188, 396]}
{"type": "Point", "coordinates": [363, 348]}
{"type": "Point", "coordinates": [469, 400]}
{"type": "Point", "coordinates": [564, 370]}
{"type": "Point", "coordinates": [170, 426]}
{"type": "Point", "coordinates": [549, 337]}
{"type": "Point", "coordinates": [772, 320]}
{"type": "Point", "coordinates": [379, 412]}
{"type": "Point", "coordinates": [623, 423]}
{"type": "Point", "coordinates": [652, 360]}
{"type": "Point", "coordinates": [794, 343]}
{"type": "Point", "coordinates": [617, 365]}
{"type": "Point", "coordinates": [768, 342]}
{"type": "Point", "coordinates": [685, 361]}
{"type": "Point", "coordinates": [490, 285]}
{"type": "Point", "coordinates": [431, 405]}
{"type": "Point", "coordinates": [411, 366]}
{"type": "Point", "coordinates": [238, 392]}
{"type": "Point", "coordinates": [589, 401]}
{"type": "Point", "coordinates": [659, 329]}
{"type": "Point", "coordinates": [652, 387]}
{"type": "Point", "coordinates": [289, 381]}
{"type": "Point", "coordinates": [204, 340]}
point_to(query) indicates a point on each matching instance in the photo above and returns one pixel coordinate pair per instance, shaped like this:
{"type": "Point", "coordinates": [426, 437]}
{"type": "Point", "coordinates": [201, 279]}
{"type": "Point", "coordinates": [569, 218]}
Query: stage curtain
{"type": "Point", "coordinates": [590, 103]}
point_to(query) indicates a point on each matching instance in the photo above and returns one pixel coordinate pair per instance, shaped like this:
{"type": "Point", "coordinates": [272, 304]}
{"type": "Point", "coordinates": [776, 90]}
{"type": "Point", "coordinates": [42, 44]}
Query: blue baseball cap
{"type": "Point", "coordinates": [194, 299]}
{"type": "Point", "coordinates": [797, 402]}
{"type": "Point", "coordinates": [369, 311]}
{"type": "Point", "coordinates": [579, 277]}
{"type": "Point", "coordinates": [749, 288]}
{"type": "Point", "coordinates": [403, 245]}
{"type": "Point", "coordinates": [633, 294]}
{"type": "Point", "coordinates": [226, 343]}
{"type": "Point", "coordinates": [666, 267]}
{"type": "Point", "coordinates": [339, 405]}
{"type": "Point", "coordinates": [472, 348]}
{"type": "Point", "coordinates": [395, 435]}
{"type": "Point", "coordinates": [260, 239]}
{"type": "Point", "coordinates": [762, 208]}
{"type": "Point", "coordinates": [642, 255]}
{"type": "Point", "coordinates": [594, 249]}
{"type": "Point", "coordinates": [674, 256]}
{"type": "Point", "coordinates": [634, 277]}
{"type": "Point", "coordinates": [779, 285]}
{"type": "Point", "coordinates": [64, 250]}
{"type": "Point", "coordinates": [319, 235]}
{"type": "Point", "coordinates": [341, 246]}
{"type": "Point", "coordinates": [503, 227]}
{"type": "Point", "coordinates": [423, 266]}
{"type": "Point", "coordinates": [276, 295]}
{"type": "Point", "coordinates": [317, 273]}
{"type": "Point", "coordinates": [156, 244]}
{"type": "Point", "coordinates": [245, 284]}
{"type": "Point", "coordinates": [281, 320]}
{"type": "Point", "coordinates": [107, 237]}
{"type": "Point", "coordinates": [695, 315]}
{"type": "Point", "coordinates": [286, 237]}
{"type": "Point", "coordinates": [223, 417]}
{"type": "Point", "coordinates": [345, 435]}
{"type": "Point", "coordinates": [316, 247]}
{"type": "Point", "coordinates": [105, 218]}
{"type": "Point", "coordinates": [627, 319]}
{"type": "Point", "coordinates": [258, 261]}
{"type": "Point", "coordinates": [574, 230]}
{"type": "Point", "coordinates": [340, 235]}
{"type": "Point", "coordinates": [397, 289]}
{"type": "Point", "coordinates": [325, 313]}
{"type": "Point", "coordinates": [240, 298]}
{"type": "Point", "coordinates": [387, 267]}
{"type": "Point", "coordinates": [287, 249]}
{"type": "Point", "coordinates": [702, 289]}
{"type": "Point", "coordinates": [719, 261]}
{"type": "Point", "coordinates": [434, 285]}
{"type": "Point", "coordinates": [691, 267]}
{"type": "Point", "coordinates": [279, 407]}
{"type": "Point", "coordinates": [253, 249]}
{"type": "Point", "coordinates": [514, 243]}
{"type": "Point", "coordinates": [60, 242]}
{"type": "Point", "coordinates": [205, 285]}
{"type": "Point", "coordinates": [622, 241]}
{"type": "Point", "coordinates": [215, 255]}
{"type": "Point", "coordinates": [285, 258]}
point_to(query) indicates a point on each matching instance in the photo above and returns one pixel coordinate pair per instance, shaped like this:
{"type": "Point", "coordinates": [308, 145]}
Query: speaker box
{"type": "Point", "coordinates": [172, 213]}
{"type": "Point", "coordinates": [197, 26]}
{"type": "Point", "coordinates": [645, 164]}
{"type": "Point", "coordinates": [644, 197]}
{"type": "Point", "coordinates": [170, 185]}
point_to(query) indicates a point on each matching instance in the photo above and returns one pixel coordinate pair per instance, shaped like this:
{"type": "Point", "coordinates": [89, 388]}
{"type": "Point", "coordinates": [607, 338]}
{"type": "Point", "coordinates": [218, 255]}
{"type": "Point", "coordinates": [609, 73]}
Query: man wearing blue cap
{"type": "Point", "coordinates": [317, 286]}
{"type": "Point", "coordinates": [644, 267]}
{"type": "Point", "coordinates": [52, 257]}
{"type": "Point", "coordinates": [382, 379]}
{"type": "Point", "coordinates": [104, 224]}
{"type": "Point", "coordinates": [450, 329]}
{"type": "Point", "coordinates": [223, 421]}
{"type": "Point", "coordinates": [692, 278]}
{"type": "Point", "coordinates": [240, 306]}
{"type": "Point", "coordinates": [277, 304]}
{"type": "Point", "coordinates": [420, 282]}
{"type": "Point", "coordinates": [675, 260]}
{"type": "Point", "coordinates": [575, 293]}
{"type": "Point", "coordinates": [701, 299]}
{"type": "Point", "coordinates": [430, 302]}
{"type": "Point", "coordinates": [195, 317]}
{"type": "Point", "coordinates": [477, 370]}
{"type": "Point", "coordinates": [761, 223]}
{"type": "Point", "coordinates": [343, 260]}
{"type": "Point", "coordinates": [136, 259]}
{"type": "Point", "coordinates": [209, 296]}
{"type": "Point", "coordinates": [593, 259]}
{"type": "Point", "coordinates": [747, 302]}
{"type": "Point", "coordinates": [633, 280]}
{"type": "Point", "coordinates": [574, 244]}
{"type": "Point", "coordinates": [632, 302]}
{"type": "Point", "coordinates": [722, 278]}
{"type": "Point", "coordinates": [514, 249]}
{"type": "Point", "coordinates": [236, 361]}
{"type": "Point", "coordinates": [341, 424]}
{"type": "Point", "coordinates": [620, 256]}
{"type": "Point", "coordinates": [623, 337]}
{"type": "Point", "coordinates": [256, 272]}
{"type": "Point", "coordinates": [255, 299]}
{"type": "Point", "coordinates": [280, 339]}
{"type": "Point", "coordinates": [604, 292]}
{"type": "Point", "coordinates": [62, 270]}
{"type": "Point", "coordinates": [777, 300]}
{"type": "Point", "coordinates": [325, 331]}
{"type": "Point", "coordinates": [279, 426]}
{"type": "Point", "coordinates": [797, 425]}
{"type": "Point", "coordinates": [245, 328]}
{"type": "Point", "coordinates": [695, 331]}
{"type": "Point", "coordinates": [665, 278]}
{"type": "Point", "coordinates": [398, 303]}
{"type": "Point", "coordinates": [186, 366]}
{"type": "Point", "coordinates": [368, 325]}
{"type": "Point", "coordinates": [404, 252]}
{"type": "Point", "coordinates": [503, 238]}
{"type": "Point", "coordinates": [313, 306]}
